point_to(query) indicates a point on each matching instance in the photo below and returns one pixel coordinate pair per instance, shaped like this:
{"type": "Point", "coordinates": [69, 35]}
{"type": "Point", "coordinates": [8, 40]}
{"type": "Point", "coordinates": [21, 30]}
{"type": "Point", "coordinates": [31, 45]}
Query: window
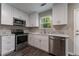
{"type": "Point", "coordinates": [45, 22]}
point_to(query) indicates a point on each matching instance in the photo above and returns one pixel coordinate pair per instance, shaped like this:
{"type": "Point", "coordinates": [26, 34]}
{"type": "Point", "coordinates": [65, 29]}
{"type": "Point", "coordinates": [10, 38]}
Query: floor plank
{"type": "Point", "coordinates": [29, 51]}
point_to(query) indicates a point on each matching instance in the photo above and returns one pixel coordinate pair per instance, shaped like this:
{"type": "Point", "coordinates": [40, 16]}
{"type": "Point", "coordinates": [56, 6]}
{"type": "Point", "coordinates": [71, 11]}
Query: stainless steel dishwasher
{"type": "Point", "coordinates": [57, 45]}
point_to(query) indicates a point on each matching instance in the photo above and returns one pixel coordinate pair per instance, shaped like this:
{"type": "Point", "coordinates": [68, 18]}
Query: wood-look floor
{"type": "Point", "coordinates": [29, 51]}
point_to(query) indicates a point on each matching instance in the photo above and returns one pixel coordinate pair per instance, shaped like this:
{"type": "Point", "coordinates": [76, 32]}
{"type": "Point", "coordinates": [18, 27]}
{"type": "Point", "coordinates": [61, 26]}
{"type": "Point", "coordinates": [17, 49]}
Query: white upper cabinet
{"type": "Point", "coordinates": [16, 13]}
{"type": "Point", "coordinates": [59, 12]}
{"type": "Point", "coordinates": [19, 14]}
{"type": "Point", "coordinates": [6, 14]}
{"type": "Point", "coordinates": [27, 21]}
{"type": "Point", "coordinates": [33, 20]}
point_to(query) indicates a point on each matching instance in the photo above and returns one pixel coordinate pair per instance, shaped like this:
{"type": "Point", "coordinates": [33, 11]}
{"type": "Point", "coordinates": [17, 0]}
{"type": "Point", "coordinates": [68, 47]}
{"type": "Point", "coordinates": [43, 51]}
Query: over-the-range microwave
{"type": "Point", "coordinates": [18, 22]}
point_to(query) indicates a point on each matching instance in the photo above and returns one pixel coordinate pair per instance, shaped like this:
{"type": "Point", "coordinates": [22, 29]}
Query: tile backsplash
{"type": "Point", "coordinates": [7, 29]}
{"type": "Point", "coordinates": [4, 31]}
{"type": "Point", "coordinates": [56, 29]}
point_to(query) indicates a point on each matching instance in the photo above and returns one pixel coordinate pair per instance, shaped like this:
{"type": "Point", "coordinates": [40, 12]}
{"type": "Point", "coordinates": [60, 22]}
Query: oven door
{"type": "Point", "coordinates": [22, 38]}
{"type": "Point", "coordinates": [21, 41]}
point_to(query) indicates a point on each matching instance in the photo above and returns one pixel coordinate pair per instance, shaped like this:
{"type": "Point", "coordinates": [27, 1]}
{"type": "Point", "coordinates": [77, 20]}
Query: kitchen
{"type": "Point", "coordinates": [45, 29]}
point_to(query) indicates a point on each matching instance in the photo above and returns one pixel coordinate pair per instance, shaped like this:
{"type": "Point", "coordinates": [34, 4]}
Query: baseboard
{"type": "Point", "coordinates": [70, 54]}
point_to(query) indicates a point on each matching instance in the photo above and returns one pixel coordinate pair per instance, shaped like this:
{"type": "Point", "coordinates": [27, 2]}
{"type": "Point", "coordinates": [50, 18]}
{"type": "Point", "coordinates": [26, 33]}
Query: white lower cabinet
{"type": "Point", "coordinates": [44, 43]}
{"type": "Point", "coordinates": [8, 44]}
{"type": "Point", "coordinates": [39, 41]}
{"type": "Point", "coordinates": [30, 41]}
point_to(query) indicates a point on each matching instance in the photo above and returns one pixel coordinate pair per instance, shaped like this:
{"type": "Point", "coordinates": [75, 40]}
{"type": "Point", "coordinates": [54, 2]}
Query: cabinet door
{"type": "Point", "coordinates": [44, 43]}
{"type": "Point", "coordinates": [77, 45]}
{"type": "Point", "coordinates": [16, 13]}
{"type": "Point", "coordinates": [31, 39]}
{"type": "Point", "coordinates": [6, 14]}
{"type": "Point", "coordinates": [33, 20]}
{"type": "Point", "coordinates": [27, 20]}
{"type": "Point", "coordinates": [4, 46]}
{"type": "Point", "coordinates": [34, 40]}
{"type": "Point", "coordinates": [11, 42]}
{"type": "Point", "coordinates": [20, 15]}
{"type": "Point", "coordinates": [59, 14]}
{"type": "Point", "coordinates": [37, 41]}
{"type": "Point", "coordinates": [8, 44]}
{"type": "Point", "coordinates": [23, 16]}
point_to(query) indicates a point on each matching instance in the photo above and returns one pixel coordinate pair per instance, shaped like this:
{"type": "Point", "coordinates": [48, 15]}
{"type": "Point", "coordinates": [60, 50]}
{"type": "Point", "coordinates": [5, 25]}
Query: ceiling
{"type": "Point", "coordinates": [32, 7]}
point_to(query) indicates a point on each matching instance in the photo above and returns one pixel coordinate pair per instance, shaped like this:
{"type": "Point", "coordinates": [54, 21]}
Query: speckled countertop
{"type": "Point", "coordinates": [6, 34]}
{"type": "Point", "coordinates": [53, 34]}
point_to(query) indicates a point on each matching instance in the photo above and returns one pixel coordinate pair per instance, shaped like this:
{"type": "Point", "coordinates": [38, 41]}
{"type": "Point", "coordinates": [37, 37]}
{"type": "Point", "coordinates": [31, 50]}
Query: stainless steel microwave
{"type": "Point", "coordinates": [18, 22]}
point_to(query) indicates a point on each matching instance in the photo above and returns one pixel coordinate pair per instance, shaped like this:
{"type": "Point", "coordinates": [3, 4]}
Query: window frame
{"type": "Point", "coordinates": [45, 22]}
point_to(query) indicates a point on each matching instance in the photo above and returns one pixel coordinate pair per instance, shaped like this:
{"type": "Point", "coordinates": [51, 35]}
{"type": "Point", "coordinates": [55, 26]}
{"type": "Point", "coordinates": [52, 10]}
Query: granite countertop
{"type": "Point", "coordinates": [59, 35]}
{"type": "Point", "coordinates": [6, 34]}
{"type": "Point", "coordinates": [53, 34]}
